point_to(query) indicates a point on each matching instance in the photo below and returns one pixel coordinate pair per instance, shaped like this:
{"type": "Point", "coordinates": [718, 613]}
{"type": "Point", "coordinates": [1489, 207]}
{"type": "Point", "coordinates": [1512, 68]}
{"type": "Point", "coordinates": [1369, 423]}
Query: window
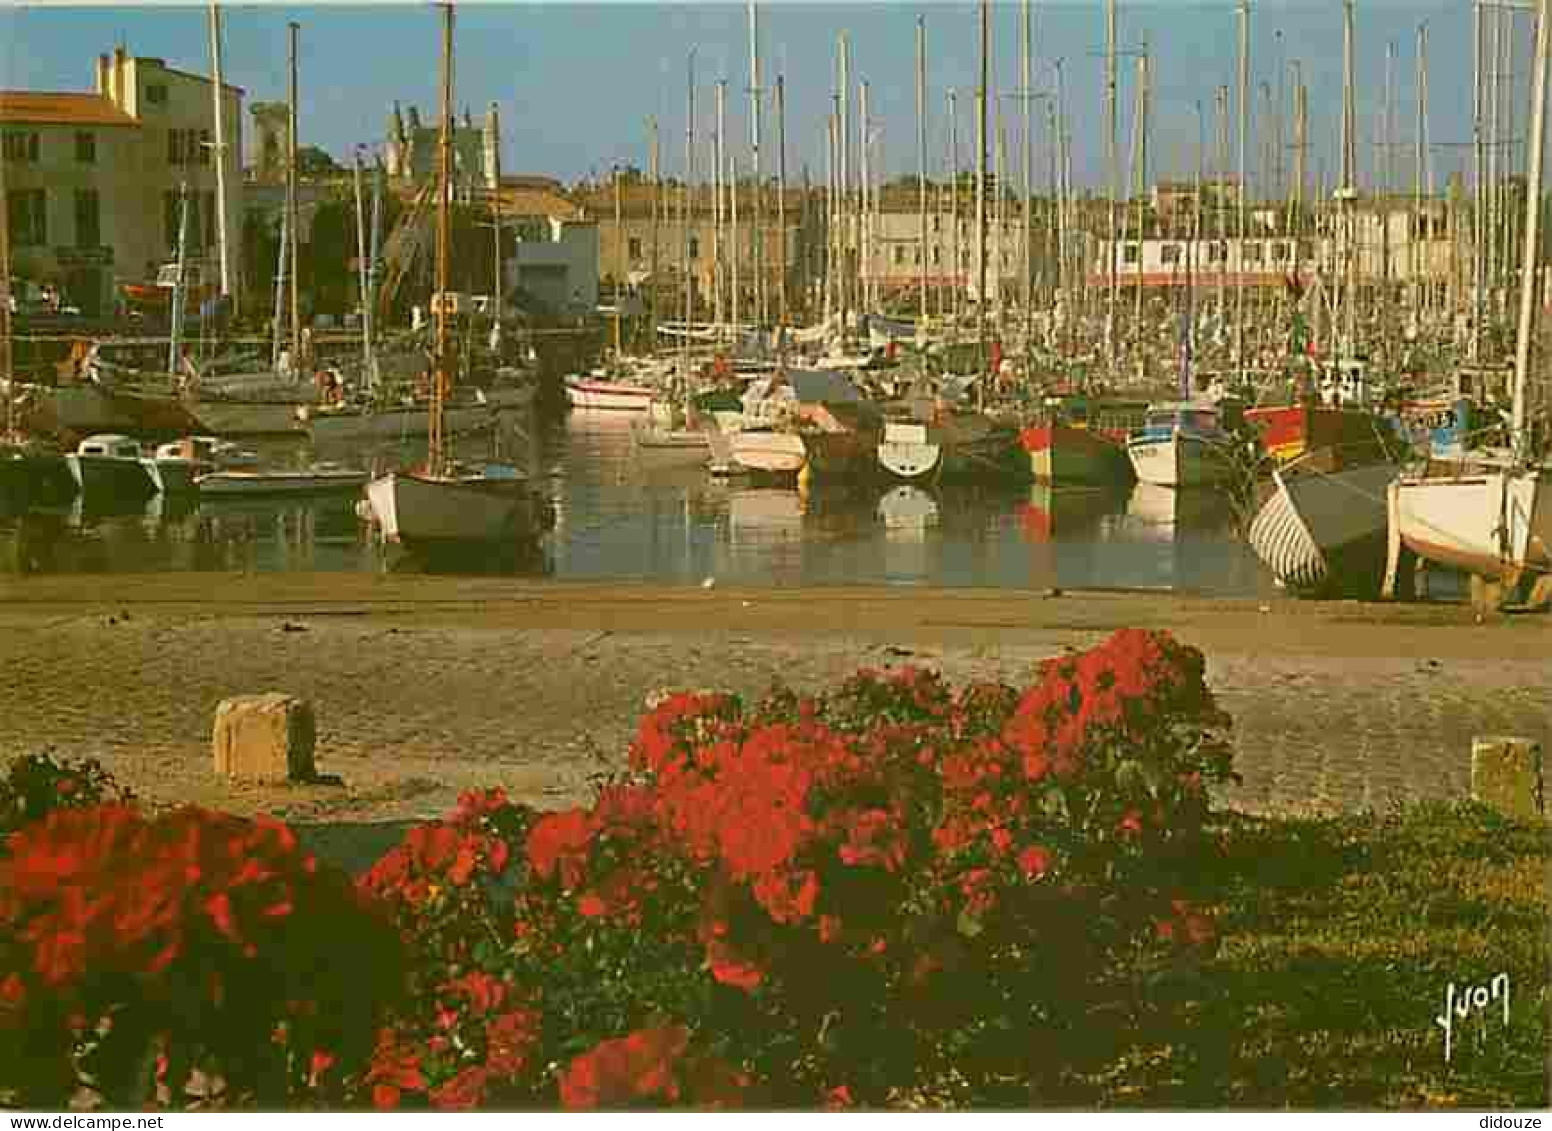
{"type": "Point", "coordinates": [899, 254]}
{"type": "Point", "coordinates": [156, 94]}
{"type": "Point", "coordinates": [88, 218]}
{"type": "Point", "coordinates": [1279, 252]}
{"type": "Point", "coordinates": [1129, 254]}
{"type": "Point", "coordinates": [1251, 252]}
{"type": "Point", "coordinates": [937, 256]}
{"type": "Point", "coordinates": [916, 256]}
{"type": "Point", "coordinates": [1215, 251]}
{"type": "Point", "coordinates": [21, 146]}
{"type": "Point", "coordinates": [1169, 253]}
{"type": "Point", "coordinates": [635, 247]}
{"type": "Point", "coordinates": [204, 146]}
{"type": "Point", "coordinates": [937, 223]}
{"type": "Point", "coordinates": [183, 148]}
{"type": "Point", "coordinates": [695, 248]}
{"type": "Point", "coordinates": [27, 217]}
{"type": "Point", "coordinates": [86, 147]}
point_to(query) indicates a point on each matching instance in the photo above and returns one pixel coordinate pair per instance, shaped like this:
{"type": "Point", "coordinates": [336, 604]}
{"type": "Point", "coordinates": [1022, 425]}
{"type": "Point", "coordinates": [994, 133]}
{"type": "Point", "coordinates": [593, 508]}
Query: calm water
{"type": "Point", "coordinates": [624, 515]}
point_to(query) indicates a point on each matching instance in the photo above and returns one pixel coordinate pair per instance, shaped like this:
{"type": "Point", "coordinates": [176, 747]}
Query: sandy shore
{"type": "Point", "coordinates": [429, 686]}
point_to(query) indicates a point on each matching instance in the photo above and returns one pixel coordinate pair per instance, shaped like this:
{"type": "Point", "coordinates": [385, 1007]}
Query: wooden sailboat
{"type": "Point", "coordinates": [1489, 512]}
{"type": "Point", "coordinates": [446, 505]}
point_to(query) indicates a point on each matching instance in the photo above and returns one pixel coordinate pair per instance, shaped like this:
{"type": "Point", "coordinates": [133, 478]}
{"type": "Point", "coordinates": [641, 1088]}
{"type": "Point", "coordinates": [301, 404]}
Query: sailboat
{"type": "Point", "coordinates": [1489, 511]}
{"type": "Point", "coordinates": [448, 505]}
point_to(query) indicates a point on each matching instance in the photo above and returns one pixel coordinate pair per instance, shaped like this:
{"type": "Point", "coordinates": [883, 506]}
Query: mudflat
{"type": "Point", "coordinates": [428, 686]}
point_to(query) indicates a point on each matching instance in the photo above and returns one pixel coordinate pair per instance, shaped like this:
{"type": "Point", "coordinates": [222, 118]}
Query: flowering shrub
{"type": "Point", "coordinates": [818, 900]}
{"type": "Point", "coordinates": [36, 784]}
{"type": "Point", "coordinates": [191, 956]}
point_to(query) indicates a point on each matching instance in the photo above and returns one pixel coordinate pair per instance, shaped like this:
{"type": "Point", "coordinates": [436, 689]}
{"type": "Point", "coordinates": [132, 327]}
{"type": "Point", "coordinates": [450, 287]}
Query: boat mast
{"type": "Point", "coordinates": [864, 229]}
{"type": "Point", "coordinates": [718, 305]}
{"type": "Point", "coordinates": [781, 198]}
{"type": "Point", "coordinates": [757, 256]}
{"type": "Point", "coordinates": [219, 90]}
{"type": "Point", "coordinates": [1532, 245]}
{"type": "Point", "coordinates": [1141, 129]}
{"type": "Point", "coordinates": [7, 375]}
{"type": "Point", "coordinates": [495, 219]}
{"type": "Point", "coordinates": [730, 182]}
{"type": "Point", "coordinates": [436, 456]}
{"type": "Point", "coordinates": [1419, 248]}
{"type": "Point", "coordinates": [980, 195]}
{"type": "Point", "coordinates": [657, 193]}
{"type": "Point", "coordinates": [689, 177]}
{"type": "Point", "coordinates": [1478, 213]}
{"type": "Point", "coordinates": [1347, 194]}
{"type": "Point", "coordinates": [1244, 186]}
{"type": "Point", "coordinates": [953, 144]}
{"type": "Point", "coordinates": [843, 140]}
{"type": "Point", "coordinates": [179, 290]}
{"type": "Point", "coordinates": [1026, 98]}
{"type": "Point", "coordinates": [921, 162]}
{"type": "Point", "coordinates": [362, 271]}
{"type": "Point", "coordinates": [620, 263]}
{"type": "Point", "coordinates": [291, 204]}
{"type": "Point", "coordinates": [1113, 183]}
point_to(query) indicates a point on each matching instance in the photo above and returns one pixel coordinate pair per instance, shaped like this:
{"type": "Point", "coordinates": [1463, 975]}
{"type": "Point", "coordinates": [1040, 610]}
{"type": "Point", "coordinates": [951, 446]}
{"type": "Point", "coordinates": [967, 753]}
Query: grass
{"type": "Point", "coordinates": [1339, 937]}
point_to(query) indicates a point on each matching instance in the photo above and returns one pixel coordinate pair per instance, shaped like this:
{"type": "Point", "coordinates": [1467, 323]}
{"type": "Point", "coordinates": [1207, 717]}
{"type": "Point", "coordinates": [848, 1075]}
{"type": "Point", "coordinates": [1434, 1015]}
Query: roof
{"type": "Point", "coordinates": [537, 202]}
{"type": "Point", "coordinates": [46, 108]}
{"type": "Point", "coordinates": [161, 64]}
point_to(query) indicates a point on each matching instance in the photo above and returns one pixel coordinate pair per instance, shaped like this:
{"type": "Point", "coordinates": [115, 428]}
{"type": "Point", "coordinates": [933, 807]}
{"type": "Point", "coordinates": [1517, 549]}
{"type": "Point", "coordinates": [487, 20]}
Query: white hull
{"type": "Point", "coordinates": [245, 484]}
{"type": "Point", "coordinates": [250, 418]}
{"type": "Point", "coordinates": [1180, 461]}
{"type": "Point", "coordinates": [417, 511]}
{"type": "Point", "coordinates": [392, 423]}
{"type": "Point", "coordinates": [1319, 530]}
{"type": "Point", "coordinates": [905, 452]}
{"type": "Point", "coordinates": [774, 453]}
{"type": "Point", "coordinates": [1491, 523]}
{"type": "Point", "coordinates": [603, 394]}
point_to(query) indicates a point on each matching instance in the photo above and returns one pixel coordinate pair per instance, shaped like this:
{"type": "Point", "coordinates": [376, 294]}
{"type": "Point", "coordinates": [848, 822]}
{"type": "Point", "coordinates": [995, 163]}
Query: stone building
{"type": "Point", "coordinates": [93, 180]}
{"type": "Point", "coordinates": [410, 149]}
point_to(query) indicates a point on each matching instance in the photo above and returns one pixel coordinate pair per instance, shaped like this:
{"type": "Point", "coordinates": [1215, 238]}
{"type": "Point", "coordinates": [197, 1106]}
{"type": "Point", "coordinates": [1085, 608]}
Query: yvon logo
{"type": "Point", "coordinates": [1468, 999]}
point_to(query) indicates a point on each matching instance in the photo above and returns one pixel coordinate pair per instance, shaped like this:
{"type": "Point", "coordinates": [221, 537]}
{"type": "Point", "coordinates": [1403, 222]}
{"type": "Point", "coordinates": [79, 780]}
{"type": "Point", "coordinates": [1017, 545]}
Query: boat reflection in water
{"type": "Point", "coordinates": [1184, 540]}
{"type": "Point", "coordinates": [910, 517]}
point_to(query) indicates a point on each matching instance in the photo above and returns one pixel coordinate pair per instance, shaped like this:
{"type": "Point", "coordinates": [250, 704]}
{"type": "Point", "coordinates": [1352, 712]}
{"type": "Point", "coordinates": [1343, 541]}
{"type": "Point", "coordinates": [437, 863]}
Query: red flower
{"type": "Point", "coordinates": [559, 842]}
{"type": "Point", "coordinates": [839, 1098]}
{"type": "Point", "coordinates": [1034, 862]}
{"type": "Point", "coordinates": [1130, 823]}
{"type": "Point", "coordinates": [463, 1092]}
{"type": "Point", "coordinates": [509, 1040]}
{"type": "Point", "coordinates": [590, 906]}
{"type": "Point", "coordinates": [626, 1072]}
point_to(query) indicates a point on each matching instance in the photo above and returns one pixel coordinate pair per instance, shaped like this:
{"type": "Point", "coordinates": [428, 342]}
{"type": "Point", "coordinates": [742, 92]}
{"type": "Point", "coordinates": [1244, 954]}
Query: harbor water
{"type": "Point", "coordinates": [626, 514]}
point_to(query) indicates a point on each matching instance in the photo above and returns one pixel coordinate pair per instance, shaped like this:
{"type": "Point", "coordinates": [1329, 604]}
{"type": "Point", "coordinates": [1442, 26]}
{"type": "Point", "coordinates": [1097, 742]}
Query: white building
{"type": "Point", "coordinates": [555, 251]}
{"type": "Point", "coordinates": [93, 181]}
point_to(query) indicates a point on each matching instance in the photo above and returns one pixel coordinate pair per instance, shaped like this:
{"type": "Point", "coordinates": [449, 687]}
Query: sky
{"type": "Point", "coordinates": [577, 82]}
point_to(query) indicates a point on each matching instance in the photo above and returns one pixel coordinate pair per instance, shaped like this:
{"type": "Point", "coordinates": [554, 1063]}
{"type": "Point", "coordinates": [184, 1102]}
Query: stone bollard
{"type": "Point", "coordinates": [1506, 774]}
{"type": "Point", "coordinates": [266, 738]}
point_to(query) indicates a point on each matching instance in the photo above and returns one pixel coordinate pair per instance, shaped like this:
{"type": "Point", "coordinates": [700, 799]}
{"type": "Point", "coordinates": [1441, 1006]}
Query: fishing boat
{"type": "Point", "coordinates": [597, 391]}
{"type": "Point", "coordinates": [1182, 444]}
{"type": "Point", "coordinates": [1289, 432]}
{"type": "Point", "coordinates": [113, 466]}
{"type": "Point", "coordinates": [1488, 512]}
{"type": "Point", "coordinates": [448, 505]}
{"type": "Point", "coordinates": [180, 463]}
{"type": "Point", "coordinates": [332, 424]}
{"type": "Point", "coordinates": [1323, 530]}
{"type": "Point", "coordinates": [319, 479]}
{"type": "Point", "coordinates": [906, 452]}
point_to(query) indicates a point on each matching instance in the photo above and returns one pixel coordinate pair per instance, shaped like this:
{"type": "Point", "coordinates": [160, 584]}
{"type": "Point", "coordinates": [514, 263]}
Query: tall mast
{"type": "Point", "coordinates": [921, 159]}
{"type": "Point", "coordinates": [1300, 159]}
{"type": "Point", "coordinates": [437, 453]}
{"type": "Point", "coordinates": [180, 288]}
{"type": "Point", "coordinates": [843, 140]}
{"type": "Point", "coordinates": [757, 250]}
{"type": "Point", "coordinates": [718, 167]}
{"type": "Point", "coordinates": [1347, 194]}
{"type": "Point", "coordinates": [218, 92]}
{"type": "Point", "coordinates": [832, 216]}
{"type": "Point", "coordinates": [657, 195]}
{"type": "Point", "coordinates": [363, 222]}
{"type": "Point", "coordinates": [1026, 97]}
{"type": "Point", "coordinates": [619, 260]}
{"type": "Point", "coordinates": [953, 144]}
{"type": "Point", "coordinates": [495, 219]}
{"type": "Point", "coordinates": [1386, 173]}
{"type": "Point", "coordinates": [291, 204]}
{"type": "Point", "coordinates": [1113, 183]}
{"type": "Point", "coordinates": [864, 179]}
{"type": "Point", "coordinates": [730, 180]}
{"type": "Point", "coordinates": [1219, 207]}
{"type": "Point", "coordinates": [1532, 245]}
{"type": "Point", "coordinates": [781, 195]}
{"type": "Point", "coordinates": [1063, 201]}
{"type": "Point", "coordinates": [687, 213]}
{"type": "Point", "coordinates": [1479, 214]}
{"type": "Point", "coordinates": [1142, 171]}
{"type": "Point", "coordinates": [980, 194]}
{"type": "Point", "coordinates": [1244, 187]}
{"type": "Point", "coordinates": [7, 375]}
{"type": "Point", "coordinates": [1420, 248]}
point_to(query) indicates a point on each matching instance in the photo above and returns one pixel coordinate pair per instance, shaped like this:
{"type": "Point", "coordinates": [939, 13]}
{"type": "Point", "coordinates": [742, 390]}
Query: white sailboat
{"type": "Point", "coordinates": [1182, 445]}
{"type": "Point", "coordinates": [445, 505]}
{"type": "Point", "coordinates": [1489, 512]}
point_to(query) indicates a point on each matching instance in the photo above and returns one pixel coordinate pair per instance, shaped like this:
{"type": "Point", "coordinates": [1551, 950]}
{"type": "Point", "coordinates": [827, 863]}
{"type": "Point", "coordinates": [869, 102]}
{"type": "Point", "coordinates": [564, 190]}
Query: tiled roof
{"type": "Point", "coordinates": [45, 108]}
{"type": "Point", "coordinates": [537, 202]}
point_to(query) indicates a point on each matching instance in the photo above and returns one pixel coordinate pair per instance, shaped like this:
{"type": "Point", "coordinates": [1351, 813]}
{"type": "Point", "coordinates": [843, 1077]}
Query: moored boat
{"type": "Point", "coordinates": [1323, 531]}
{"type": "Point", "coordinates": [1182, 444]}
{"type": "Point", "coordinates": [620, 396]}
{"type": "Point", "coordinates": [319, 479]}
{"type": "Point", "coordinates": [113, 466]}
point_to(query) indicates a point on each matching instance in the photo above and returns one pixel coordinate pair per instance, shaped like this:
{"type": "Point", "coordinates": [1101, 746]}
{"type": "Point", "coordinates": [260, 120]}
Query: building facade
{"type": "Point", "coordinates": [553, 251]}
{"type": "Point", "coordinates": [95, 182]}
{"type": "Point", "coordinates": [410, 149]}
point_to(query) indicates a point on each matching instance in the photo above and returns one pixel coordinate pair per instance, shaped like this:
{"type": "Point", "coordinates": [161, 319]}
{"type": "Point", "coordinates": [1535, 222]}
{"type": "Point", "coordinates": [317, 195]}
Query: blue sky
{"type": "Point", "coordinates": [576, 82]}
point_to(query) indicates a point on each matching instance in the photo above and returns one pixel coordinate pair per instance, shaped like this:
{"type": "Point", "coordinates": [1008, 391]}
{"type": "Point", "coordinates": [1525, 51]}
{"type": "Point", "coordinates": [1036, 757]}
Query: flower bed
{"type": "Point", "coordinates": [889, 891]}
